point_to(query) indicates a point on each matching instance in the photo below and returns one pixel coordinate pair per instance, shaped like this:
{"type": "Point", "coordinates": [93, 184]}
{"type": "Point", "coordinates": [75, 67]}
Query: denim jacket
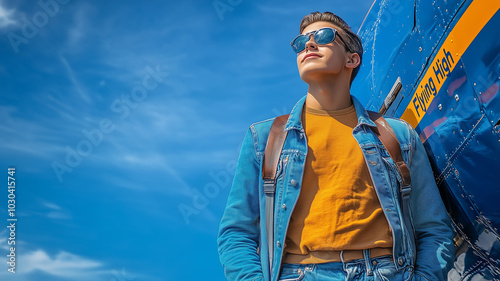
{"type": "Point", "coordinates": [242, 240]}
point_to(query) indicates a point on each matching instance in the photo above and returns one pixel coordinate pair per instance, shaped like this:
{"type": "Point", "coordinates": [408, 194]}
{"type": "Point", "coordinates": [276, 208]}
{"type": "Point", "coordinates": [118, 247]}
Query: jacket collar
{"type": "Point", "coordinates": [294, 120]}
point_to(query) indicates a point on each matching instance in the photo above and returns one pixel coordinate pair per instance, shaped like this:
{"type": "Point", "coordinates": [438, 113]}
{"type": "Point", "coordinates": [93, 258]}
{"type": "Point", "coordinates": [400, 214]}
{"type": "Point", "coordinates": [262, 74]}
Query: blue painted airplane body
{"type": "Point", "coordinates": [436, 64]}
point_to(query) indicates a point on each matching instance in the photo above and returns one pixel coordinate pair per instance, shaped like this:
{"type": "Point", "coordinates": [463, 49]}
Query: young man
{"type": "Point", "coordinates": [338, 212]}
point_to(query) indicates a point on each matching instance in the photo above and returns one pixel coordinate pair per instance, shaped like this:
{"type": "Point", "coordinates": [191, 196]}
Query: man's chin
{"type": "Point", "coordinates": [314, 74]}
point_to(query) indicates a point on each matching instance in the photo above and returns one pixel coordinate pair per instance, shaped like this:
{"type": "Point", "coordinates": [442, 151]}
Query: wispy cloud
{"type": "Point", "coordinates": [6, 16]}
{"type": "Point", "coordinates": [44, 209]}
{"type": "Point", "coordinates": [62, 264]}
{"type": "Point", "coordinates": [79, 28]}
{"type": "Point", "coordinates": [35, 139]}
{"type": "Point", "coordinates": [55, 211]}
{"type": "Point", "coordinates": [76, 83]}
{"type": "Point", "coordinates": [151, 162]}
{"type": "Point", "coordinates": [51, 206]}
{"type": "Point", "coordinates": [38, 264]}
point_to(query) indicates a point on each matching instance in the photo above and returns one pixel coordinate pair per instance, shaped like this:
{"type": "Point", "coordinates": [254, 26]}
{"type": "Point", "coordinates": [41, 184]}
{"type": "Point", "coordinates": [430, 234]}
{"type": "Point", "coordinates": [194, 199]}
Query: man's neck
{"type": "Point", "coordinates": [328, 95]}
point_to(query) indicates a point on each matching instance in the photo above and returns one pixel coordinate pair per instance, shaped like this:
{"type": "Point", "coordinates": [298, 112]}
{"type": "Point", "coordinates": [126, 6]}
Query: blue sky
{"type": "Point", "coordinates": [124, 119]}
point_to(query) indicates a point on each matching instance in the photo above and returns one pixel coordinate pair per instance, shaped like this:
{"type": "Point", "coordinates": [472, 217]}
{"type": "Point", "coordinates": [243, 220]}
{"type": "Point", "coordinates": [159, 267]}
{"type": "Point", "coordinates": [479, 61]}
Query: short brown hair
{"type": "Point", "coordinates": [353, 41]}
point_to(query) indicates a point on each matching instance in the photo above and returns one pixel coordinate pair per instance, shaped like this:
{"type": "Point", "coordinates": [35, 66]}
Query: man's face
{"type": "Point", "coordinates": [320, 60]}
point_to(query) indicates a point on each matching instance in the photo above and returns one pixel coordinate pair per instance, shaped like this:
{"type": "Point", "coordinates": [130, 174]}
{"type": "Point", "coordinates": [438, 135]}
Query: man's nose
{"type": "Point", "coordinates": [311, 44]}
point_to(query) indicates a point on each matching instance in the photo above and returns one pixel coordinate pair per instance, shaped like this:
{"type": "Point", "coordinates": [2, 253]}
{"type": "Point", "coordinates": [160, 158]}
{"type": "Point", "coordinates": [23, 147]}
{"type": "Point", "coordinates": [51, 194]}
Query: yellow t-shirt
{"type": "Point", "coordinates": [338, 208]}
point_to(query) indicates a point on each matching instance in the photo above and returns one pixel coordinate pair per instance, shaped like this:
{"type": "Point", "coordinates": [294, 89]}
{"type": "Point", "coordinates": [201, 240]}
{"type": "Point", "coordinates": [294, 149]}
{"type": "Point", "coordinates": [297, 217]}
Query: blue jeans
{"type": "Point", "coordinates": [371, 269]}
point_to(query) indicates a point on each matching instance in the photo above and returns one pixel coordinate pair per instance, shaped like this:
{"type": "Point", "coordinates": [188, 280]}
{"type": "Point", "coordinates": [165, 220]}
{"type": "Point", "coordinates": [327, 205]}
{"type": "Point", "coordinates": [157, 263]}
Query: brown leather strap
{"type": "Point", "coordinates": [275, 142]}
{"type": "Point", "coordinates": [386, 135]}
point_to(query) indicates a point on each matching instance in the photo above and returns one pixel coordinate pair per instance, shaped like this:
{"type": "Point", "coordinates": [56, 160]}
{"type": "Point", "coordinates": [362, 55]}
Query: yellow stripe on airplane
{"type": "Point", "coordinates": [466, 29]}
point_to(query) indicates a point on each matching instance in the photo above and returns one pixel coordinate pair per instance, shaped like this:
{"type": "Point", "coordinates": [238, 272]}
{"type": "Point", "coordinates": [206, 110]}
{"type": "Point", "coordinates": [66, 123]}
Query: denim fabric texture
{"type": "Point", "coordinates": [374, 269]}
{"type": "Point", "coordinates": [242, 240]}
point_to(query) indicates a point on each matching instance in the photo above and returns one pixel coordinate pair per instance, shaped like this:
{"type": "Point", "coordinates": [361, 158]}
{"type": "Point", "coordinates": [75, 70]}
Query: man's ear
{"type": "Point", "coordinates": [353, 60]}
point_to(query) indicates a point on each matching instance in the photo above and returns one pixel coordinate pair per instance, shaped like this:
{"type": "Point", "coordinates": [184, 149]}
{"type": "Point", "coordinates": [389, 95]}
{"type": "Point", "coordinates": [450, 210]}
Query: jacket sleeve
{"type": "Point", "coordinates": [239, 229]}
{"type": "Point", "coordinates": [433, 232]}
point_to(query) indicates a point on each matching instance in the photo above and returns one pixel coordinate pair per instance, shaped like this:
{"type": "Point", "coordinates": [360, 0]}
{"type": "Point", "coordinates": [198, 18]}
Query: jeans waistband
{"type": "Point", "coordinates": [367, 262]}
{"type": "Point", "coordinates": [334, 256]}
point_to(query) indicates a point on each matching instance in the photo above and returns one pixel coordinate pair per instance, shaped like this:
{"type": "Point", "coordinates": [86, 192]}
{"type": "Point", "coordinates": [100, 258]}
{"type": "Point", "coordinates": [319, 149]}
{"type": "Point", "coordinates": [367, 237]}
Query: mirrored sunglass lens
{"type": "Point", "coordinates": [300, 43]}
{"type": "Point", "coordinates": [324, 36]}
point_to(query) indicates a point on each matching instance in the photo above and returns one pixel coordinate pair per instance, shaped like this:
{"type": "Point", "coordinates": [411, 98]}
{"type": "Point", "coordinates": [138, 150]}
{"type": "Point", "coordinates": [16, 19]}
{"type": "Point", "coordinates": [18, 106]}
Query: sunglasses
{"type": "Point", "coordinates": [322, 36]}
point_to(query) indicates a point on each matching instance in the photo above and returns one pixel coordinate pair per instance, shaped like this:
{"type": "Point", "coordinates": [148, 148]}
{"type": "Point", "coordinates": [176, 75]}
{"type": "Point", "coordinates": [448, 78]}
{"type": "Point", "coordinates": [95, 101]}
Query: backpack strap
{"type": "Point", "coordinates": [386, 135]}
{"type": "Point", "coordinates": [274, 145]}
